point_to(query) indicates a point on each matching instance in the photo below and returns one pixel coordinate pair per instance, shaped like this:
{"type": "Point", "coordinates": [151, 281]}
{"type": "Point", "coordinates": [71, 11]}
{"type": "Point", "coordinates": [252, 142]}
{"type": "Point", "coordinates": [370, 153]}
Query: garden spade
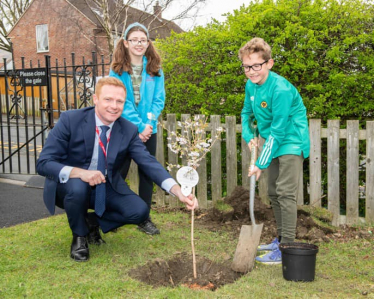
{"type": "Point", "coordinates": [249, 237]}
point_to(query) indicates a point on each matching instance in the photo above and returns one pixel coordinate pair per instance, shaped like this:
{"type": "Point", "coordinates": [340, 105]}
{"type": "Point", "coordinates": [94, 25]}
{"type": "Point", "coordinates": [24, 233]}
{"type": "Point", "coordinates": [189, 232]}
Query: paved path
{"type": "Point", "coordinates": [19, 204]}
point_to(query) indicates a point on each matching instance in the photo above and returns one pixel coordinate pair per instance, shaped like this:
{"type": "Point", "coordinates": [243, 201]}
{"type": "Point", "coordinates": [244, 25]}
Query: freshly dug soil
{"type": "Point", "coordinates": [308, 228]}
{"type": "Point", "coordinates": [210, 275]}
{"type": "Point", "coordinates": [179, 271]}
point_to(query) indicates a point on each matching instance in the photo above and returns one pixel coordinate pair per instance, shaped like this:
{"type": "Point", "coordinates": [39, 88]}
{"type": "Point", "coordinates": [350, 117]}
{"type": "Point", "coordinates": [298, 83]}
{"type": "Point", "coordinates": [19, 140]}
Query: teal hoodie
{"type": "Point", "coordinates": [281, 119]}
{"type": "Point", "coordinates": [152, 98]}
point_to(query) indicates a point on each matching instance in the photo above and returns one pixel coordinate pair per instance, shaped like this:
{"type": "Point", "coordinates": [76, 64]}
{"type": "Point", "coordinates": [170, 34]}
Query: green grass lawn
{"type": "Point", "coordinates": [35, 263]}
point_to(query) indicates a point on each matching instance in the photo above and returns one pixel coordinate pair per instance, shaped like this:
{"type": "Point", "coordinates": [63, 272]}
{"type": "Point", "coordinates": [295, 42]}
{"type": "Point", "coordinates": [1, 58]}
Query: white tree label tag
{"type": "Point", "coordinates": [188, 178]}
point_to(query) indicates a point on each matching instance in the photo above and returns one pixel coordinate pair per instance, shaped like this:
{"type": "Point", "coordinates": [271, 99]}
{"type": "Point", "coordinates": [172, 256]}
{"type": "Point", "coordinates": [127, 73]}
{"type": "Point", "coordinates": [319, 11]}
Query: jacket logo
{"type": "Point", "coordinates": [264, 104]}
{"type": "Point", "coordinates": [252, 98]}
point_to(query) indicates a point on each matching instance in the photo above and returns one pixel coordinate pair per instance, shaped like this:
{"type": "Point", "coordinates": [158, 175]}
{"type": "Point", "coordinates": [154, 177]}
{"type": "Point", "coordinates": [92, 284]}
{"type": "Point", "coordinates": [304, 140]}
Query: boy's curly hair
{"type": "Point", "coordinates": [256, 45]}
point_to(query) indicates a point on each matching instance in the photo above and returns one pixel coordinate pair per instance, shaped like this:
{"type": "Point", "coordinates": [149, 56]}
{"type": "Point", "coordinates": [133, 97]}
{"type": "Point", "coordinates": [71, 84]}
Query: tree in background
{"type": "Point", "coordinates": [324, 47]}
{"type": "Point", "coordinates": [113, 15]}
{"type": "Point", "coordinates": [10, 12]}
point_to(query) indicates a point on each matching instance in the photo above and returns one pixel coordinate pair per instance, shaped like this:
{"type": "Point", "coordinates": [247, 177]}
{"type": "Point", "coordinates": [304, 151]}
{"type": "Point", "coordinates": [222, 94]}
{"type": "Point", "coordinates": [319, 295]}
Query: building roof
{"type": "Point", "coordinates": [157, 26]}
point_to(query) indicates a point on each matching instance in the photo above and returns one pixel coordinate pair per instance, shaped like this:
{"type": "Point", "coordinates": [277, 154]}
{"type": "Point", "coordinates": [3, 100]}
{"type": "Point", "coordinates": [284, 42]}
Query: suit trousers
{"type": "Point", "coordinates": [145, 183]}
{"type": "Point", "coordinates": [283, 182]}
{"type": "Point", "coordinates": [76, 197]}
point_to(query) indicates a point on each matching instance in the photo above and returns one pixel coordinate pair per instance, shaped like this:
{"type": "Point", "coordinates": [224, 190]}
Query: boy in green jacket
{"type": "Point", "coordinates": [281, 118]}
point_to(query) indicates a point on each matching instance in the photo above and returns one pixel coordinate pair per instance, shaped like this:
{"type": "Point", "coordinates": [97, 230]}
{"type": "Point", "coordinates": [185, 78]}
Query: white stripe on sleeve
{"type": "Point", "coordinates": [266, 151]}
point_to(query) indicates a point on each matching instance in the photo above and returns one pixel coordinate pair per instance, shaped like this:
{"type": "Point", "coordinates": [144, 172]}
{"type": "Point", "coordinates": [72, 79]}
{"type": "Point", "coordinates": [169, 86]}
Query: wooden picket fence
{"type": "Point", "coordinates": [353, 135]}
{"type": "Point", "coordinates": [226, 178]}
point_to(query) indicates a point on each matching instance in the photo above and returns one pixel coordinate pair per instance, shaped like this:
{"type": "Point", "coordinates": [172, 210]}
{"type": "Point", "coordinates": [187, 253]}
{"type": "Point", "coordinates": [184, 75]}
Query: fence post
{"type": "Point", "coordinates": [172, 157]}
{"type": "Point", "coordinates": [202, 193]}
{"type": "Point", "coordinates": [231, 154]}
{"type": "Point", "coordinates": [216, 165]}
{"type": "Point", "coordinates": [133, 177]}
{"type": "Point", "coordinates": [160, 194]}
{"type": "Point", "coordinates": [333, 188]}
{"type": "Point", "coordinates": [246, 157]}
{"type": "Point", "coordinates": [186, 133]}
{"type": "Point", "coordinates": [369, 213]}
{"type": "Point", "coordinates": [352, 171]}
{"type": "Point", "coordinates": [315, 162]}
{"type": "Point", "coordinates": [300, 189]}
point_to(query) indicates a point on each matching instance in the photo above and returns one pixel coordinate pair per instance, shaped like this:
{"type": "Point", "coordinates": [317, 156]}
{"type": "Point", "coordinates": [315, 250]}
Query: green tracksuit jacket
{"type": "Point", "coordinates": [281, 118]}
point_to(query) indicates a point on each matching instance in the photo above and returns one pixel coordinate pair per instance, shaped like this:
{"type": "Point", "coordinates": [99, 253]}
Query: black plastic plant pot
{"type": "Point", "coordinates": [298, 261]}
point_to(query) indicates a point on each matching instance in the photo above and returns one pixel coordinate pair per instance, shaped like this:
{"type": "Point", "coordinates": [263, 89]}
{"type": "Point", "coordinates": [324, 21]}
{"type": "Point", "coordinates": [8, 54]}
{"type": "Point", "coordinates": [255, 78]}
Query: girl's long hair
{"type": "Point", "coordinates": [122, 61]}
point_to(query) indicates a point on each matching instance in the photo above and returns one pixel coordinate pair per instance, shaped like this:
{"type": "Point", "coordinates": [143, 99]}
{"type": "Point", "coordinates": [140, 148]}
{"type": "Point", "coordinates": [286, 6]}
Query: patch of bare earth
{"type": "Point", "coordinates": [211, 275]}
{"type": "Point", "coordinates": [178, 271]}
{"type": "Point", "coordinates": [309, 229]}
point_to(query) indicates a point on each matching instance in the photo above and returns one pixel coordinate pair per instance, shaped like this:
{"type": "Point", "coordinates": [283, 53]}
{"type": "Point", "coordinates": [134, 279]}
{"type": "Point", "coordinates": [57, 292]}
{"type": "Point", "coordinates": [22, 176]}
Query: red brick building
{"type": "Point", "coordinates": [60, 27]}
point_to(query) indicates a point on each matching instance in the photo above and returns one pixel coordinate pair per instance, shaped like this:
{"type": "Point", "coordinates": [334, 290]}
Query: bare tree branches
{"type": "Point", "coordinates": [113, 14]}
{"type": "Point", "coordinates": [10, 12]}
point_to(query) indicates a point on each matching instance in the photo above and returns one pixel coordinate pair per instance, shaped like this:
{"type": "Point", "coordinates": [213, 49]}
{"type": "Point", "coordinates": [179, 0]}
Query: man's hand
{"type": "Point", "coordinates": [256, 171]}
{"type": "Point", "coordinates": [190, 201]}
{"type": "Point", "coordinates": [92, 177]}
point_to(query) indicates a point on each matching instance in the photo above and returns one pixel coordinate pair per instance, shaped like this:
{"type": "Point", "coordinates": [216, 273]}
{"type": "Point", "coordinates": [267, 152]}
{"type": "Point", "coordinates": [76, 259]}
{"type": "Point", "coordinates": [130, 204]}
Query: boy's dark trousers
{"type": "Point", "coordinates": [283, 182]}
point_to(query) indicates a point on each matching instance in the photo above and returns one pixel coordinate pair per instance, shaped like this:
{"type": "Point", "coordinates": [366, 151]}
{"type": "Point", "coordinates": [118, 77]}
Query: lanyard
{"type": "Point", "coordinates": [101, 143]}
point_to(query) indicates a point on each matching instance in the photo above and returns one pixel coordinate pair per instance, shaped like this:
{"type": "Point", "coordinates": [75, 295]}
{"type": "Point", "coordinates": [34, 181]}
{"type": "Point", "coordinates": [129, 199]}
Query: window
{"type": "Point", "coordinates": [42, 43]}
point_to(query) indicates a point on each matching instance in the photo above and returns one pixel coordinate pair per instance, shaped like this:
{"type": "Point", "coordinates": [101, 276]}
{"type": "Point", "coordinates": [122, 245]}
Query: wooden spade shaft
{"type": "Point", "coordinates": [249, 238]}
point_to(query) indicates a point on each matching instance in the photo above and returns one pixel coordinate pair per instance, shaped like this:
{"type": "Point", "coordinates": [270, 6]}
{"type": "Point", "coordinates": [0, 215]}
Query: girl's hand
{"type": "Point", "coordinates": [147, 131]}
{"type": "Point", "coordinates": [143, 138]}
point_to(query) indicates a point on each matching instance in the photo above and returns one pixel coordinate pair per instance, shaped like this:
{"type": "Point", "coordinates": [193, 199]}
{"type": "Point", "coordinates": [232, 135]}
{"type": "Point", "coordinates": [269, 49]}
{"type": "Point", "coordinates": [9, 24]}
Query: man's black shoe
{"type": "Point", "coordinates": [79, 249]}
{"type": "Point", "coordinates": [94, 236]}
{"type": "Point", "coordinates": [148, 227]}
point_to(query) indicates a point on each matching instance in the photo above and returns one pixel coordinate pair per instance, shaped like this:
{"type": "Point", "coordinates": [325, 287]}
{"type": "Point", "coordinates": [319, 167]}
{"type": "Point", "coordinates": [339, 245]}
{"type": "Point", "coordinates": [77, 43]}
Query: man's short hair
{"type": "Point", "coordinates": [255, 45]}
{"type": "Point", "coordinates": [108, 81]}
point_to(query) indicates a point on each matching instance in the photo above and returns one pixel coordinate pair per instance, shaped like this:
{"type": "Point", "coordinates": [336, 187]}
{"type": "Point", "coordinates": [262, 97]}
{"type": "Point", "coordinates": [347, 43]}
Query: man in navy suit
{"type": "Point", "coordinates": [71, 158]}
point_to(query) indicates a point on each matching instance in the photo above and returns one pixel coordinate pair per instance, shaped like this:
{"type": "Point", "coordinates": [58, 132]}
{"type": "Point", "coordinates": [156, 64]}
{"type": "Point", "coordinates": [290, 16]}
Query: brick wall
{"type": "Point", "coordinates": [68, 31]}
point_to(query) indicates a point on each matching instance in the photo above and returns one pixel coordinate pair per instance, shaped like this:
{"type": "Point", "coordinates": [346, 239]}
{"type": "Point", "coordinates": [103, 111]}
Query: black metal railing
{"type": "Point", "coordinates": [28, 111]}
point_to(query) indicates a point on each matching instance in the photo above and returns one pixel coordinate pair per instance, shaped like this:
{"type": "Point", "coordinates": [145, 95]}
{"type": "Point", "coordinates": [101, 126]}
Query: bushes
{"type": "Point", "coordinates": [324, 48]}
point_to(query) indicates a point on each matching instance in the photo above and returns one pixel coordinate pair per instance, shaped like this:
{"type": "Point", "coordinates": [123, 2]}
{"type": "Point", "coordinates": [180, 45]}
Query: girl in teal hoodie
{"type": "Point", "coordinates": [138, 65]}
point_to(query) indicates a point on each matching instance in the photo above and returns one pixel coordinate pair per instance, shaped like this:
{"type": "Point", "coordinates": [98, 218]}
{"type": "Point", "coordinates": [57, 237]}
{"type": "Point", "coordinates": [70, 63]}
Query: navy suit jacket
{"type": "Point", "coordinates": [71, 143]}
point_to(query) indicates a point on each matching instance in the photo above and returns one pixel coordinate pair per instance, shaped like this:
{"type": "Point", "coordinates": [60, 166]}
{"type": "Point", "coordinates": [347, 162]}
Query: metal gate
{"type": "Point", "coordinates": [32, 99]}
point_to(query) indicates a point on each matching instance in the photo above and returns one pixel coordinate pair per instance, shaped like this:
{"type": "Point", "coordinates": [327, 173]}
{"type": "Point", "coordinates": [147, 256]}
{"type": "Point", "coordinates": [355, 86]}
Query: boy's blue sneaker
{"type": "Point", "coordinates": [269, 247]}
{"type": "Point", "coordinates": [271, 258]}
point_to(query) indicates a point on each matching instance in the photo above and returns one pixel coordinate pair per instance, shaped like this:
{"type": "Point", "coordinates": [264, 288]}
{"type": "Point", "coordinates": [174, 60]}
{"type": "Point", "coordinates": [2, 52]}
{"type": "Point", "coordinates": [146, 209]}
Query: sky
{"type": "Point", "coordinates": [212, 9]}
{"type": "Point", "coordinates": [215, 9]}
